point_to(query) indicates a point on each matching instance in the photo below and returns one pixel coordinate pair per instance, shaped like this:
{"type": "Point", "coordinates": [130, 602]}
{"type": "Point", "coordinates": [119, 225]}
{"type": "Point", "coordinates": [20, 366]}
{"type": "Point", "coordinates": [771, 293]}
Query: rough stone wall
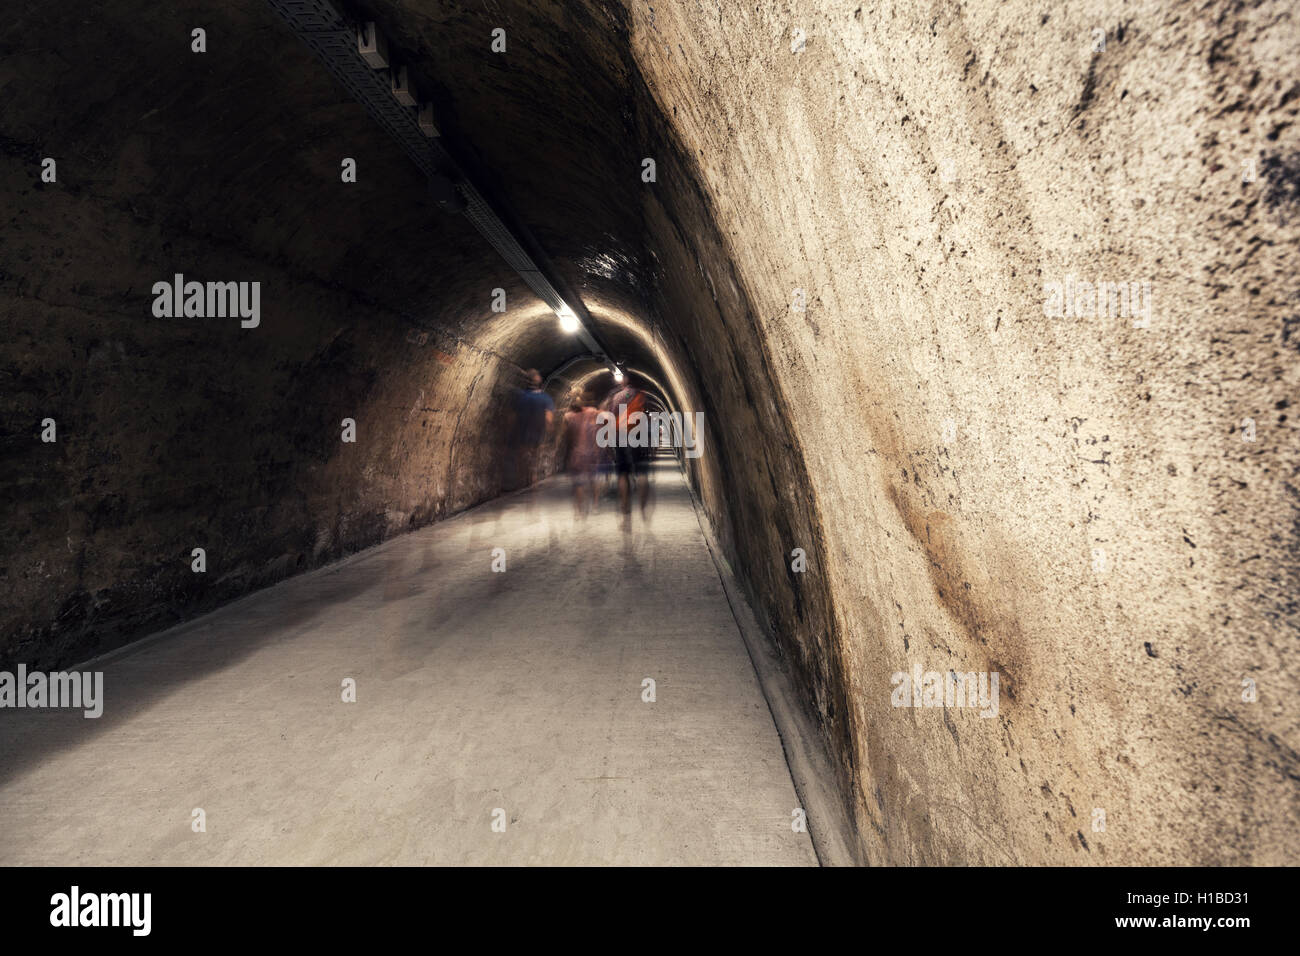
{"type": "Point", "coordinates": [183, 433]}
{"type": "Point", "coordinates": [177, 433]}
{"type": "Point", "coordinates": [1066, 501]}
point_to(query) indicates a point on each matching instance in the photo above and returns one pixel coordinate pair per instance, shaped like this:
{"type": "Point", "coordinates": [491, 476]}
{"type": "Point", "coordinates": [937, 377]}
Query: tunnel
{"type": "Point", "coordinates": [984, 551]}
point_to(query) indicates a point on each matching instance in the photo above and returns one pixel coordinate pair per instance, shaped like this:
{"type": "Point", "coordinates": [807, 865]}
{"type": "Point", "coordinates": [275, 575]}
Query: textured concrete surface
{"type": "Point", "coordinates": [476, 690]}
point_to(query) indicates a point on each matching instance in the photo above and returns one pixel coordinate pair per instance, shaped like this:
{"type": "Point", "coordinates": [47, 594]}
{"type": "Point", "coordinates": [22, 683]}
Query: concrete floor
{"type": "Point", "coordinates": [475, 691]}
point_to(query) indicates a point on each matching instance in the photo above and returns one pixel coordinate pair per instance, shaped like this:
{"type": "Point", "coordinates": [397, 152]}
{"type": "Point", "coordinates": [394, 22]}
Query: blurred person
{"type": "Point", "coordinates": [534, 414]}
{"type": "Point", "coordinates": [580, 451]}
{"type": "Point", "coordinates": [631, 463]}
{"type": "Point", "coordinates": [604, 459]}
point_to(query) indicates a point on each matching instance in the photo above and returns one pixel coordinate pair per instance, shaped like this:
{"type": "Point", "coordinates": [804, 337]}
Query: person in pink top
{"type": "Point", "coordinates": [580, 452]}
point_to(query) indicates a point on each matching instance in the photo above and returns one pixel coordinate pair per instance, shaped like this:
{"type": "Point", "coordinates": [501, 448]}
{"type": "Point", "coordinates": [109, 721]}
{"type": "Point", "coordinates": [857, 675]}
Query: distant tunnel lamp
{"type": "Point", "coordinates": [618, 375]}
{"type": "Point", "coordinates": [568, 321]}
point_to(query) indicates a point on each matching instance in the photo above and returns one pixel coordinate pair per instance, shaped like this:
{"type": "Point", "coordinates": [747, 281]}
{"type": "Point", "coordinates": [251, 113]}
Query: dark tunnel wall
{"type": "Point", "coordinates": [199, 433]}
{"type": "Point", "coordinates": [177, 433]}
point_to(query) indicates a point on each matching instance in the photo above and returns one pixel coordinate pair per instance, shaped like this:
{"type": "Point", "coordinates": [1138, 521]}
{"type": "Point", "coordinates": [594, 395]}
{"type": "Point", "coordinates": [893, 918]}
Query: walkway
{"type": "Point", "coordinates": [475, 691]}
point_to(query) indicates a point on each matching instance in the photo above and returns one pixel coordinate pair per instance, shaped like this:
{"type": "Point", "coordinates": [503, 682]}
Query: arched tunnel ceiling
{"type": "Point", "coordinates": [549, 134]}
{"type": "Point", "coordinates": [546, 137]}
{"type": "Point", "coordinates": [551, 129]}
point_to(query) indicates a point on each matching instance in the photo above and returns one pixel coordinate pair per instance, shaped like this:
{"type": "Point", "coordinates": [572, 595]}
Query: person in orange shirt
{"type": "Point", "coordinates": [630, 463]}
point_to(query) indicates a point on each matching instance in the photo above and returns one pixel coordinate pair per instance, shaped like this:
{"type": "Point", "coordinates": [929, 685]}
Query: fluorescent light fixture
{"type": "Point", "coordinates": [568, 321]}
{"type": "Point", "coordinates": [618, 375]}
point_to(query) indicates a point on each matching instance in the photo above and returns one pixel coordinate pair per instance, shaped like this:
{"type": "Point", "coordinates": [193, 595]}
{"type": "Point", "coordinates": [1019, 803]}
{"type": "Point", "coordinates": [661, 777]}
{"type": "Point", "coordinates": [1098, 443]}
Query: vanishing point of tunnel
{"type": "Point", "coordinates": [603, 432]}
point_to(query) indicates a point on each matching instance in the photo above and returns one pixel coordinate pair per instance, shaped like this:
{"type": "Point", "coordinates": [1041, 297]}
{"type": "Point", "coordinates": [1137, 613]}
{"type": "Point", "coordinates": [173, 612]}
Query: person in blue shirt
{"type": "Point", "coordinates": [534, 413]}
